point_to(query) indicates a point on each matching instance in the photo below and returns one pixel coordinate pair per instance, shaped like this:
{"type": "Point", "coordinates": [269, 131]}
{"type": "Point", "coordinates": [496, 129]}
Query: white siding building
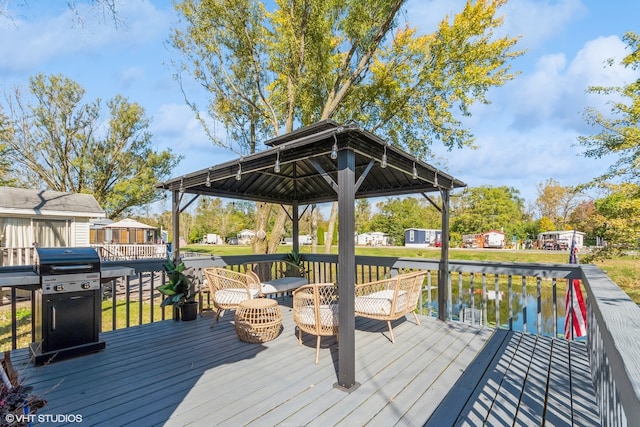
{"type": "Point", "coordinates": [45, 218]}
{"type": "Point", "coordinates": [373, 238]}
{"type": "Point", "coordinates": [30, 218]}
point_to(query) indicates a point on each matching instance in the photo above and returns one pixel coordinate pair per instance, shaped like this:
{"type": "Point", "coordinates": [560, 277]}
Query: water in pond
{"type": "Point", "coordinates": [541, 319]}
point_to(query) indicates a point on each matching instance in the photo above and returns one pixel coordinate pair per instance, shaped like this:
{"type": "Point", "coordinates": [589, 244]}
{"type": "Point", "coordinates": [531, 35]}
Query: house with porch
{"type": "Point", "coordinates": [44, 218]}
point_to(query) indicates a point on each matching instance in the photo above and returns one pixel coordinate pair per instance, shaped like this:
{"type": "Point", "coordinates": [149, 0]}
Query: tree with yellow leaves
{"type": "Point", "coordinates": [269, 71]}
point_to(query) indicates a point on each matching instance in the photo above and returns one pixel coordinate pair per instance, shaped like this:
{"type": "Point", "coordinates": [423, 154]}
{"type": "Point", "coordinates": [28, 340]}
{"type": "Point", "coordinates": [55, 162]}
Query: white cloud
{"type": "Point", "coordinates": [129, 76]}
{"type": "Point", "coordinates": [535, 20]}
{"type": "Point", "coordinates": [556, 90]}
{"type": "Point", "coordinates": [539, 21]}
{"type": "Point", "coordinates": [35, 41]}
{"type": "Point", "coordinates": [175, 126]}
{"type": "Point", "coordinates": [177, 122]}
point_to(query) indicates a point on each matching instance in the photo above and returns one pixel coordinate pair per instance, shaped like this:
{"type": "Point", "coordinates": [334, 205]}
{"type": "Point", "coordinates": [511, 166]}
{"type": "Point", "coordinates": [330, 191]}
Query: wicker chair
{"type": "Point", "coordinates": [315, 311]}
{"type": "Point", "coordinates": [229, 288]}
{"type": "Point", "coordinates": [389, 299]}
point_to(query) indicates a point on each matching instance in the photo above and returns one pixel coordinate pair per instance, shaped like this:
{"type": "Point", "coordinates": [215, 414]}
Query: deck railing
{"type": "Point", "coordinates": [107, 252]}
{"type": "Point", "coordinates": [117, 252]}
{"type": "Point", "coordinates": [17, 256]}
{"type": "Point", "coordinates": [505, 295]}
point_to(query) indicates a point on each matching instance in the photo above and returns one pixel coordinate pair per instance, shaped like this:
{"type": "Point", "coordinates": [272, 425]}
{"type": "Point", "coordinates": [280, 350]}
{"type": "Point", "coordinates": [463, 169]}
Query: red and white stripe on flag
{"type": "Point", "coordinates": [576, 311]}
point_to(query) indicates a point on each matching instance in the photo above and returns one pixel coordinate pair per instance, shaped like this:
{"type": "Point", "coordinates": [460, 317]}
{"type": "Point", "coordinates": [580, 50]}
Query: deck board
{"type": "Point", "coordinates": [186, 373]}
{"type": "Point", "coordinates": [532, 401]}
{"type": "Point", "coordinates": [522, 379]}
{"type": "Point", "coordinates": [584, 408]}
{"type": "Point", "coordinates": [559, 405]}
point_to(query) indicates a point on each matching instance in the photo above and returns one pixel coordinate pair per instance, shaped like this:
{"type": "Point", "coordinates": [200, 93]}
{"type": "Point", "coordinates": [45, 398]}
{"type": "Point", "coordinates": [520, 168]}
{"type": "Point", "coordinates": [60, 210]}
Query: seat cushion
{"type": "Point", "coordinates": [379, 303]}
{"type": "Point", "coordinates": [328, 315]}
{"type": "Point", "coordinates": [233, 296]}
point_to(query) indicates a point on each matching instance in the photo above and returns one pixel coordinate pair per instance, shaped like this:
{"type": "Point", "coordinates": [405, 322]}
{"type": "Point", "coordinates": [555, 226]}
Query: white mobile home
{"type": "Point", "coordinates": [560, 239]}
{"type": "Point", "coordinates": [245, 237]}
{"type": "Point", "coordinates": [373, 238]}
{"type": "Point", "coordinates": [493, 239]}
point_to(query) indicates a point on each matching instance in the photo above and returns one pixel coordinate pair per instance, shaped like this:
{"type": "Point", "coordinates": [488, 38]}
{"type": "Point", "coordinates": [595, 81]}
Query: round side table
{"type": "Point", "coordinates": [258, 320]}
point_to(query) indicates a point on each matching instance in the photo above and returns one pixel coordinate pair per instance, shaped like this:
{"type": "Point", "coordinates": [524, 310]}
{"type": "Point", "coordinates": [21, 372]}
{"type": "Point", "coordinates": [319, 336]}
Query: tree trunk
{"type": "Point", "coordinates": [277, 231]}
{"type": "Point", "coordinates": [332, 223]}
{"type": "Point", "coordinates": [262, 244]}
{"type": "Point", "coordinates": [314, 229]}
{"type": "Point", "coordinates": [263, 211]}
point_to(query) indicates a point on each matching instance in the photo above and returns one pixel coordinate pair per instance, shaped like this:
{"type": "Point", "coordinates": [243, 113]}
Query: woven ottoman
{"type": "Point", "coordinates": [258, 320]}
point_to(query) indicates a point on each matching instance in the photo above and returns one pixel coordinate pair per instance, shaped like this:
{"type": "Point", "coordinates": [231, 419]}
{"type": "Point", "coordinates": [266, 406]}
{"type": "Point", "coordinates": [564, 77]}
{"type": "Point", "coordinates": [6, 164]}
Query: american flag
{"type": "Point", "coordinates": [575, 322]}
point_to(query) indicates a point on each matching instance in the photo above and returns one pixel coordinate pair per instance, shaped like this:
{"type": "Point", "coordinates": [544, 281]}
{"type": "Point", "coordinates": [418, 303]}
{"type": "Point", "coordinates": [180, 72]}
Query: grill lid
{"type": "Point", "coordinates": [52, 261]}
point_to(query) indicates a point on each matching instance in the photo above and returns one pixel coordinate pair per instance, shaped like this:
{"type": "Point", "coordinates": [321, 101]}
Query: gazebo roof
{"type": "Point", "coordinates": [308, 171]}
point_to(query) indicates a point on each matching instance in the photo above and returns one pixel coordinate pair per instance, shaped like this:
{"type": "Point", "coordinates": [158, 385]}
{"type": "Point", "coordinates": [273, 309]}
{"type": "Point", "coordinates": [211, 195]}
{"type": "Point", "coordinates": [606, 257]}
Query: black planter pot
{"type": "Point", "coordinates": [189, 310]}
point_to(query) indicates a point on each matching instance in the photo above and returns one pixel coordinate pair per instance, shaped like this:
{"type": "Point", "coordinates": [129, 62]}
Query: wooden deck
{"type": "Point", "coordinates": [185, 373]}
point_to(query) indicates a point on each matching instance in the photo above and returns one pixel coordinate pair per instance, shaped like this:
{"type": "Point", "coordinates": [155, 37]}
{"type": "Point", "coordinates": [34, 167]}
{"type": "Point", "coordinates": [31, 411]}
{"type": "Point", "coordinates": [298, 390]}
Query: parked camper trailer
{"type": "Point", "coordinates": [494, 239]}
{"type": "Point", "coordinates": [213, 239]}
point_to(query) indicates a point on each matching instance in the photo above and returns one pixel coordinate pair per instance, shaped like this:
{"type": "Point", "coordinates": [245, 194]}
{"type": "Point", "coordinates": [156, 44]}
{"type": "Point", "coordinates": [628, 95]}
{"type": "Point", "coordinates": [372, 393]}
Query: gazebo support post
{"type": "Point", "coordinates": [295, 227]}
{"type": "Point", "coordinates": [443, 273]}
{"type": "Point", "coordinates": [175, 218]}
{"type": "Point", "coordinates": [346, 270]}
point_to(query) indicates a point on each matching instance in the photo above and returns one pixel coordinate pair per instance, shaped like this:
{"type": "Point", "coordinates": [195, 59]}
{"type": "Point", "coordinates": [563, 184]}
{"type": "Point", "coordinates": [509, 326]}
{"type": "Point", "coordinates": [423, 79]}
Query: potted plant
{"type": "Point", "coordinates": [180, 290]}
{"type": "Point", "coordinates": [297, 269]}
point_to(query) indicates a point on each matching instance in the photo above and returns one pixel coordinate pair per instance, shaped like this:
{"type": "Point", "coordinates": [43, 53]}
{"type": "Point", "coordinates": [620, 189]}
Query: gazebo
{"type": "Point", "coordinates": [325, 162]}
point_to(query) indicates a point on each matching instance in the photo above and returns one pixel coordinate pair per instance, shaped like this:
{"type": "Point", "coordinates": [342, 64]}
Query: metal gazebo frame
{"type": "Point", "coordinates": [325, 162]}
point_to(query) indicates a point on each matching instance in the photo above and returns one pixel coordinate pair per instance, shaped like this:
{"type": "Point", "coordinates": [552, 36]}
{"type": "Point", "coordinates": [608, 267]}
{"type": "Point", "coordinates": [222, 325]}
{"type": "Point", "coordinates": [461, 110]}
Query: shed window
{"type": "Point", "coordinates": [51, 233]}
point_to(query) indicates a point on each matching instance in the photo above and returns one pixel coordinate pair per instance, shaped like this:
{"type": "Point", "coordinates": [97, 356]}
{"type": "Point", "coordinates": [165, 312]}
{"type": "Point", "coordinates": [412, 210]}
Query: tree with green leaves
{"type": "Point", "coordinates": [362, 215]}
{"type": "Point", "coordinates": [618, 133]}
{"type": "Point", "coordinates": [395, 215]}
{"type": "Point", "coordinates": [485, 208]}
{"type": "Point", "coordinates": [619, 129]}
{"type": "Point", "coordinates": [226, 219]}
{"type": "Point", "coordinates": [617, 221]}
{"type": "Point", "coordinates": [58, 142]}
{"type": "Point", "coordinates": [269, 71]}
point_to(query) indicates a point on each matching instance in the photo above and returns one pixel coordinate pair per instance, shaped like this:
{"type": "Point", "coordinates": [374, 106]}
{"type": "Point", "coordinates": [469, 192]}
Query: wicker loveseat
{"type": "Point", "coordinates": [389, 299]}
{"type": "Point", "coordinates": [229, 288]}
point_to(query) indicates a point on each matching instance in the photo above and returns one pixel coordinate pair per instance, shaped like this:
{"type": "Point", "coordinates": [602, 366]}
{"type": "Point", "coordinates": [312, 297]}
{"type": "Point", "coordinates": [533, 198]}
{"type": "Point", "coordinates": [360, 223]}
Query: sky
{"type": "Point", "coordinates": [525, 136]}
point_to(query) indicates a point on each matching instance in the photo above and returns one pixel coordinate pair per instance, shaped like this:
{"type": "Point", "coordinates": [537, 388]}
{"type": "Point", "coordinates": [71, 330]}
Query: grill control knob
{"type": "Point", "coordinates": [85, 285]}
{"type": "Point", "coordinates": [58, 288]}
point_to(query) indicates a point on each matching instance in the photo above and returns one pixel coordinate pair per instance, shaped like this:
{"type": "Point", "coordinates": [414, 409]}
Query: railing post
{"type": "Point", "coordinates": [443, 273]}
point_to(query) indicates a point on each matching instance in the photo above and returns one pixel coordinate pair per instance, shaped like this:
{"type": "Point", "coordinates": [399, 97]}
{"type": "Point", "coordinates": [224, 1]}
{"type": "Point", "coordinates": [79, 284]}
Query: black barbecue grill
{"type": "Point", "coordinates": [67, 312]}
